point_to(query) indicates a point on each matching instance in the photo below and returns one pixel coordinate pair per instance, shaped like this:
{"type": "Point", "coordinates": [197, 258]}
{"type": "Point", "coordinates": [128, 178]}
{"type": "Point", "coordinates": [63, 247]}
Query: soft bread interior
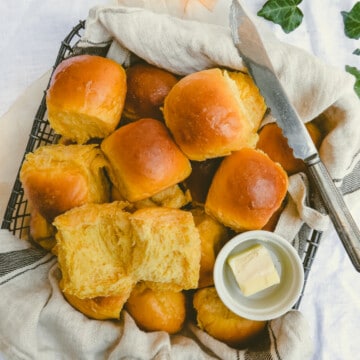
{"type": "Point", "coordinates": [80, 127]}
{"type": "Point", "coordinates": [103, 250]}
{"type": "Point", "coordinates": [167, 247]}
{"type": "Point", "coordinates": [94, 250]}
{"type": "Point", "coordinates": [249, 97]}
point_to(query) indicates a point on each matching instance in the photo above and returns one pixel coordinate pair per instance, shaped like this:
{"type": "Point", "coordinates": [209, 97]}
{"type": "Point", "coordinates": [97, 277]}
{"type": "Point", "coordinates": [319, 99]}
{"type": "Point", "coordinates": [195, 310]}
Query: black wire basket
{"type": "Point", "coordinates": [17, 214]}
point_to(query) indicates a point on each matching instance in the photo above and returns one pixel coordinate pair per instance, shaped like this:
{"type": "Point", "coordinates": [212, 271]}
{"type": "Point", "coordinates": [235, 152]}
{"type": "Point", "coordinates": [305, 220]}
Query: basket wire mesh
{"type": "Point", "coordinates": [17, 213]}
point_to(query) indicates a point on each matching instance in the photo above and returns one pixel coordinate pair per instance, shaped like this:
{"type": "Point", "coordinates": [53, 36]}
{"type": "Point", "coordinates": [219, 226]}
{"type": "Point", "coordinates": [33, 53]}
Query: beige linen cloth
{"type": "Point", "coordinates": [37, 323]}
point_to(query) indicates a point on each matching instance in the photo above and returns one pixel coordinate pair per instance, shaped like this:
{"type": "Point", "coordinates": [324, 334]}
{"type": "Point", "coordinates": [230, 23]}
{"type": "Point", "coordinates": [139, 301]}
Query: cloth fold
{"type": "Point", "coordinates": [36, 321]}
{"type": "Point", "coordinates": [41, 325]}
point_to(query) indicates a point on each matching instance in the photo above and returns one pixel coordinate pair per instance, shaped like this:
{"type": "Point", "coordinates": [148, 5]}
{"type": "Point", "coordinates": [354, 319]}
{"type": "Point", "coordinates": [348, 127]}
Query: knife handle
{"type": "Point", "coordinates": [339, 213]}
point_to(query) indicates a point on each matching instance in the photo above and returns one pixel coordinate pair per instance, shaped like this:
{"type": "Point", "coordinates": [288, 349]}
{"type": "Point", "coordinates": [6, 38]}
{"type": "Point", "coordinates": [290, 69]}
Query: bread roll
{"type": "Point", "coordinates": [221, 323]}
{"type": "Point", "coordinates": [166, 247]}
{"type": "Point", "coordinates": [85, 98]}
{"type": "Point", "coordinates": [101, 307]}
{"type": "Point", "coordinates": [144, 159]}
{"type": "Point", "coordinates": [273, 142]}
{"type": "Point", "coordinates": [57, 178]}
{"type": "Point", "coordinates": [247, 189]}
{"type": "Point", "coordinates": [156, 310]}
{"type": "Point", "coordinates": [210, 114]}
{"type": "Point", "coordinates": [94, 247]}
{"type": "Point", "coordinates": [200, 179]}
{"type": "Point", "coordinates": [173, 197]}
{"type": "Point", "coordinates": [42, 232]}
{"type": "Point", "coordinates": [147, 87]}
{"type": "Point", "coordinates": [213, 236]}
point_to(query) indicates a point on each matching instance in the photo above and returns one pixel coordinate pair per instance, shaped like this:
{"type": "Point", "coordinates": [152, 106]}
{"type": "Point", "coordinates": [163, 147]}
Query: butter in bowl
{"type": "Point", "coordinates": [258, 275]}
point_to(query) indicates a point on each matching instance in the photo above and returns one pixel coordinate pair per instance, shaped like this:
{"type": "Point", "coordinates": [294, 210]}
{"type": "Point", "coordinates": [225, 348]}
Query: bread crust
{"type": "Point", "coordinates": [154, 164]}
{"type": "Point", "coordinates": [274, 143]}
{"type": "Point", "coordinates": [247, 189]}
{"type": "Point", "coordinates": [157, 310]}
{"type": "Point", "coordinates": [218, 321]}
{"type": "Point", "coordinates": [86, 97]}
{"type": "Point", "coordinates": [101, 307]}
{"type": "Point", "coordinates": [167, 247]}
{"type": "Point", "coordinates": [147, 87]}
{"type": "Point", "coordinates": [206, 115]}
{"type": "Point", "coordinates": [57, 178]}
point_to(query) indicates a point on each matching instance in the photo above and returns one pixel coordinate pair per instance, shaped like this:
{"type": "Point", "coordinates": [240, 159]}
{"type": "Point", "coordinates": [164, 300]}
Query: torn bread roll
{"type": "Point", "coordinates": [213, 112]}
{"type": "Point", "coordinates": [167, 247]}
{"type": "Point", "coordinates": [94, 246]}
{"type": "Point", "coordinates": [103, 249]}
{"type": "Point", "coordinates": [144, 159]}
{"type": "Point", "coordinates": [246, 190]}
{"type": "Point", "coordinates": [86, 97]}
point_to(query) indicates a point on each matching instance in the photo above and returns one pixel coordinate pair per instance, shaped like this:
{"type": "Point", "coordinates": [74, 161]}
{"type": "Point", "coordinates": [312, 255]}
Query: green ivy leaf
{"type": "Point", "coordinates": [356, 52]}
{"type": "Point", "coordinates": [352, 22]}
{"type": "Point", "coordinates": [282, 12]}
{"type": "Point", "coordinates": [356, 72]}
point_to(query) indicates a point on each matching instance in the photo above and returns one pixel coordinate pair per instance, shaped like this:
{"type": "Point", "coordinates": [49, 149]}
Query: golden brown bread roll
{"type": "Point", "coordinates": [247, 189]}
{"type": "Point", "coordinates": [85, 98]}
{"type": "Point", "coordinates": [211, 113]}
{"type": "Point", "coordinates": [272, 141]}
{"type": "Point", "coordinates": [221, 323]}
{"type": "Point", "coordinates": [167, 247]}
{"type": "Point", "coordinates": [147, 87]}
{"type": "Point", "coordinates": [144, 159]}
{"type": "Point", "coordinates": [156, 310]}
{"type": "Point", "coordinates": [213, 236]}
{"type": "Point", "coordinates": [94, 247]}
{"type": "Point", "coordinates": [57, 178]}
{"type": "Point", "coordinates": [101, 307]}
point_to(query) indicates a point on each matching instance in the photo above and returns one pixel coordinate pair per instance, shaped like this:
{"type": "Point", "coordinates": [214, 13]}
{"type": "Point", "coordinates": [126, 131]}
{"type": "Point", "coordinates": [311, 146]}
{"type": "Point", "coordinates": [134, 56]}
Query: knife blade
{"type": "Point", "coordinates": [250, 46]}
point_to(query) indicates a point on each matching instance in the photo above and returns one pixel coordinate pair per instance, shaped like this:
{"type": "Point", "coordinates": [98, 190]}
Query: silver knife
{"type": "Point", "coordinates": [250, 46]}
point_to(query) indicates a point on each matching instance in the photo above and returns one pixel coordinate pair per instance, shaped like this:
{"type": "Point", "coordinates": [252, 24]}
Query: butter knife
{"type": "Point", "coordinates": [250, 46]}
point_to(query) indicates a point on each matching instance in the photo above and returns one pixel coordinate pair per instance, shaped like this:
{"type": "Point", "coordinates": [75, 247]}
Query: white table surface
{"type": "Point", "coordinates": [30, 35]}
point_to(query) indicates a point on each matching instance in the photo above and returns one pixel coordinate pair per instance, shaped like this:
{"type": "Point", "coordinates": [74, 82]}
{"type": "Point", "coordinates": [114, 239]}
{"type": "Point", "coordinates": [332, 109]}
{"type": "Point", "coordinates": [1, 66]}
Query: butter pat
{"type": "Point", "coordinates": [253, 269]}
